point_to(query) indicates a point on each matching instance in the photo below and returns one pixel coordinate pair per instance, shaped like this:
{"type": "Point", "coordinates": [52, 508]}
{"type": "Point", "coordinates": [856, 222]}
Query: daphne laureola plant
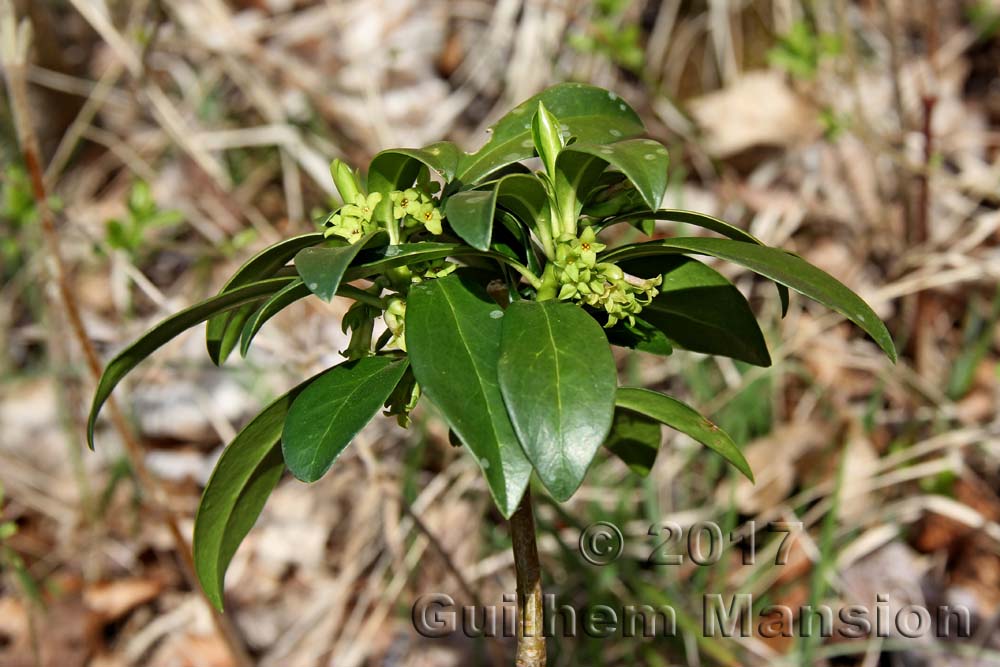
{"type": "Point", "coordinates": [501, 303]}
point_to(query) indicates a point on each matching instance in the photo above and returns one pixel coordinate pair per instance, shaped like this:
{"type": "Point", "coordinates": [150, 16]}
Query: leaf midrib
{"type": "Point", "coordinates": [479, 377]}
{"type": "Point", "coordinates": [564, 461]}
{"type": "Point", "coordinates": [347, 399]}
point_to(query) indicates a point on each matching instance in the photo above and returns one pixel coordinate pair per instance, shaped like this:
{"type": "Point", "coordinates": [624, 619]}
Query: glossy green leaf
{"type": "Point", "coordinates": [643, 161]}
{"type": "Point", "coordinates": [525, 197]}
{"type": "Point", "coordinates": [558, 380]}
{"type": "Point", "coordinates": [687, 217]}
{"type": "Point", "coordinates": [612, 197]}
{"type": "Point", "coordinates": [778, 265]}
{"type": "Point", "coordinates": [699, 310]}
{"type": "Point", "coordinates": [326, 416]}
{"type": "Point", "coordinates": [168, 329]}
{"type": "Point", "coordinates": [576, 175]}
{"type": "Point", "coordinates": [641, 336]}
{"type": "Point", "coordinates": [470, 214]}
{"type": "Point", "coordinates": [511, 238]}
{"type": "Point", "coordinates": [279, 301]}
{"type": "Point", "coordinates": [375, 261]}
{"type": "Point", "coordinates": [635, 439]}
{"type": "Point", "coordinates": [397, 168]}
{"type": "Point", "coordinates": [682, 417]}
{"type": "Point", "coordinates": [223, 331]}
{"type": "Point", "coordinates": [322, 268]}
{"type": "Point", "coordinates": [453, 331]}
{"type": "Point", "coordinates": [589, 113]}
{"type": "Point", "coordinates": [245, 475]}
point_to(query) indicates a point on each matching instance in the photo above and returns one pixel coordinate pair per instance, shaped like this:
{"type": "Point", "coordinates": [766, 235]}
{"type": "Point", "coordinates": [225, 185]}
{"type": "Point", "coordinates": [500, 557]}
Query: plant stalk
{"type": "Point", "coordinates": [530, 638]}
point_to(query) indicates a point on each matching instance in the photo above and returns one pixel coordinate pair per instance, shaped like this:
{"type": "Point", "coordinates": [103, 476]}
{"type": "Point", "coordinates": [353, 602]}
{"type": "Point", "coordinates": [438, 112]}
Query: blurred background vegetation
{"type": "Point", "coordinates": [179, 136]}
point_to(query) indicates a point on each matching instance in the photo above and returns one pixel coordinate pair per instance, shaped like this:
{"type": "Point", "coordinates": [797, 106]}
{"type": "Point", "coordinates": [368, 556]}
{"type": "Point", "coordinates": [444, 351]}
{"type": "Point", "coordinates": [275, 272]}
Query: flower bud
{"type": "Point", "coordinates": [548, 140]}
{"type": "Point", "coordinates": [346, 181]}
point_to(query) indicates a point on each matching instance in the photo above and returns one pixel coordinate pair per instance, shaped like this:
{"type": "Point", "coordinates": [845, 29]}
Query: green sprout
{"type": "Point", "coordinates": [801, 50]}
{"type": "Point", "coordinates": [130, 233]}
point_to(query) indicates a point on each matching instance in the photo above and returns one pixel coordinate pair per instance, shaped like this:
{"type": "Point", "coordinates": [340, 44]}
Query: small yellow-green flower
{"type": "Point", "coordinates": [587, 246]}
{"type": "Point", "coordinates": [407, 202]}
{"type": "Point", "coordinates": [430, 217]}
{"type": "Point", "coordinates": [354, 220]}
{"type": "Point", "coordinates": [347, 227]}
{"type": "Point", "coordinates": [363, 206]}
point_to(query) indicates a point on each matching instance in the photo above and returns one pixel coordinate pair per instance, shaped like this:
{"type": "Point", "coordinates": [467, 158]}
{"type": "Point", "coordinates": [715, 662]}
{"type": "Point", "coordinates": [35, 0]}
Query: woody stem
{"type": "Point", "coordinates": [530, 640]}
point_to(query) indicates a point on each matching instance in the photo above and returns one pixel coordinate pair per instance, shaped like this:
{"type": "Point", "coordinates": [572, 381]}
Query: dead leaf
{"type": "Point", "coordinates": [770, 114]}
{"type": "Point", "coordinates": [113, 599]}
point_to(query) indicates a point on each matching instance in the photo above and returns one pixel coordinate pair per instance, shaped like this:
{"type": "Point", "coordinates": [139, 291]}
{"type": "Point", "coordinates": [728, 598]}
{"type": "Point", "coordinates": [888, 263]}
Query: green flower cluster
{"type": "Point", "coordinates": [353, 221]}
{"type": "Point", "coordinates": [596, 284]}
{"type": "Point", "coordinates": [411, 208]}
{"type": "Point", "coordinates": [414, 208]}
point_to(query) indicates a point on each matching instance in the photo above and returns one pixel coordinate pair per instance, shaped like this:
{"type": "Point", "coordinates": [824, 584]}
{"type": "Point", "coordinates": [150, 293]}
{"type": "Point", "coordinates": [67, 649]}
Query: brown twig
{"type": "Point", "coordinates": [15, 47]}
{"type": "Point", "coordinates": [920, 228]}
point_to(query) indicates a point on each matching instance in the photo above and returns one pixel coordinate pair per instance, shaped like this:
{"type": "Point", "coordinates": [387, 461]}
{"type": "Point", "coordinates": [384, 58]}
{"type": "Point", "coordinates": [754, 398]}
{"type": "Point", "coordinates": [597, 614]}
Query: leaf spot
{"type": "Point", "coordinates": [313, 287]}
{"type": "Point", "coordinates": [496, 314]}
{"type": "Point", "coordinates": [648, 156]}
{"type": "Point", "coordinates": [485, 463]}
{"type": "Point", "coordinates": [527, 143]}
{"type": "Point", "coordinates": [607, 151]}
{"type": "Point", "coordinates": [612, 96]}
{"type": "Point", "coordinates": [615, 133]}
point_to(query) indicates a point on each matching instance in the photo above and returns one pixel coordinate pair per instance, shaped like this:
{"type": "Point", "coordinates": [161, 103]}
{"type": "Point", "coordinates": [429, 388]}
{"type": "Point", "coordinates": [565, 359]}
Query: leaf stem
{"type": "Point", "coordinates": [548, 285]}
{"type": "Point", "coordinates": [392, 227]}
{"type": "Point", "coordinates": [358, 294]}
{"type": "Point", "coordinates": [530, 637]}
{"type": "Point", "coordinates": [545, 238]}
{"type": "Point", "coordinates": [535, 281]}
